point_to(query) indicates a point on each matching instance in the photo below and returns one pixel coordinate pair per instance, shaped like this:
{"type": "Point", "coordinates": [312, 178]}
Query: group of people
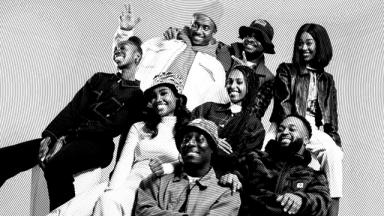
{"type": "Point", "coordinates": [188, 109]}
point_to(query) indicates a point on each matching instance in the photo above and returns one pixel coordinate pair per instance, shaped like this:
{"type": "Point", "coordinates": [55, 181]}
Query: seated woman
{"type": "Point", "coordinates": [240, 130]}
{"type": "Point", "coordinates": [153, 138]}
{"type": "Point", "coordinates": [304, 88]}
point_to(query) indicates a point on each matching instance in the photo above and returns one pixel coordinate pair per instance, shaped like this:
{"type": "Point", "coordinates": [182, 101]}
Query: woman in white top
{"type": "Point", "coordinates": [151, 139]}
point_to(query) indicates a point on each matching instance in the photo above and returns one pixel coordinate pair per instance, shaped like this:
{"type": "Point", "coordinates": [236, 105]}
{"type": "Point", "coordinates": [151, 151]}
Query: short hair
{"type": "Point", "coordinates": [323, 45]}
{"type": "Point", "coordinates": [302, 119]}
{"type": "Point", "coordinates": [136, 41]}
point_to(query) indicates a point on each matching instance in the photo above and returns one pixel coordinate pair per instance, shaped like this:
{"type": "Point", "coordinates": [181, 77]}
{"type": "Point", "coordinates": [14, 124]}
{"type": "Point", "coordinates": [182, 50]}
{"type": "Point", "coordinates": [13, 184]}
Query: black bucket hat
{"type": "Point", "coordinates": [264, 29]}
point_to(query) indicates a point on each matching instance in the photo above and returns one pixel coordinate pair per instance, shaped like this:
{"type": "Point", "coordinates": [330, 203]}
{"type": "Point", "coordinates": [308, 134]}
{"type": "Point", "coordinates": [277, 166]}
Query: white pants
{"type": "Point", "coordinates": [96, 202]}
{"type": "Point", "coordinates": [329, 157]}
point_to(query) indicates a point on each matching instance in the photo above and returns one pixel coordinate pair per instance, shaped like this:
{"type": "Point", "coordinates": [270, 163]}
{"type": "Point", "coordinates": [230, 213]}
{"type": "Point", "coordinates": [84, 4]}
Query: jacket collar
{"type": "Point", "coordinates": [283, 154]}
{"type": "Point", "coordinates": [223, 107]}
{"type": "Point", "coordinates": [305, 72]}
{"type": "Point", "coordinates": [126, 83]}
{"type": "Point", "coordinates": [203, 182]}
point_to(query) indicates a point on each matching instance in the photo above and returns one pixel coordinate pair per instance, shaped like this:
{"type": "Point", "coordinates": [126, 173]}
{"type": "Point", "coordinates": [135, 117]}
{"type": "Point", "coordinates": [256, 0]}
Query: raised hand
{"type": "Point", "coordinates": [241, 61]}
{"type": "Point", "coordinates": [43, 150]}
{"type": "Point", "coordinates": [55, 148]}
{"type": "Point", "coordinates": [290, 202]}
{"type": "Point", "coordinates": [127, 20]}
{"type": "Point", "coordinates": [171, 33]}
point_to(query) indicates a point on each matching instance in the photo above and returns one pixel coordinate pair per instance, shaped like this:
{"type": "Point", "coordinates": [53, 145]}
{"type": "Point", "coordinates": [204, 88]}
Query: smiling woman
{"type": "Point", "coordinates": [240, 130]}
{"type": "Point", "coordinates": [151, 139]}
{"type": "Point", "coordinates": [50, 48]}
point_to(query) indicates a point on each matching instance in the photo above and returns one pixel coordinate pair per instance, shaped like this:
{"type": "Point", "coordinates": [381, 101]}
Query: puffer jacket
{"type": "Point", "coordinates": [265, 175]}
{"type": "Point", "coordinates": [291, 93]}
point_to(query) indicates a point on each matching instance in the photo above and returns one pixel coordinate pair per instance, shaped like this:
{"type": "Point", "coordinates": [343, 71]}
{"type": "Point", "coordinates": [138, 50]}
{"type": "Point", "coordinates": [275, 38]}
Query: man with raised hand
{"type": "Point", "coordinates": [193, 56]}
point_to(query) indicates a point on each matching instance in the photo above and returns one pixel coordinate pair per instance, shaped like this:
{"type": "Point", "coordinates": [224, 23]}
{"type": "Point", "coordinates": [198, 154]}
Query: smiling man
{"type": "Point", "coordinates": [278, 181]}
{"type": "Point", "coordinates": [80, 137]}
{"type": "Point", "coordinates": [192, 56]}
{"type": "Point", "coordinates": [193, 189]}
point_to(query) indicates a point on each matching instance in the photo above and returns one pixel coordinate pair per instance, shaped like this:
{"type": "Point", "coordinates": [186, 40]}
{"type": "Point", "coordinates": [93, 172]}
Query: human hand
{"type": "Point", "coordinates": [156, 167]}
{"type": "Point", "coordinates": [171, 33]}
{"type": "Point", "coordinates": [243, 61]}
{"type": "Point", "coordinates": [231, 180]}
{"type": "Point", "coordinates": [315, 148]}
{"type": "Point", "coordinates": [43, 150]}
{"type": "Point", "coordinates": [224, 146]}
{"type": "Point", "coordinates": [55, 149]}
{"type": "Point", "coordinates": [290, 202]}
{"type": "Point", "coordinates": [127, 20]}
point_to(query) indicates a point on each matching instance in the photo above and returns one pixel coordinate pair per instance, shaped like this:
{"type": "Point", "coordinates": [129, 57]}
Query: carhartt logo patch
{"type": "Point", "coordinates": [300, 185]}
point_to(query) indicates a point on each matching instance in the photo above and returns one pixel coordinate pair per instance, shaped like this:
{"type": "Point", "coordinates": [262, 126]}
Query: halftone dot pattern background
{"type": "Point", "coordinates": [49, 48]}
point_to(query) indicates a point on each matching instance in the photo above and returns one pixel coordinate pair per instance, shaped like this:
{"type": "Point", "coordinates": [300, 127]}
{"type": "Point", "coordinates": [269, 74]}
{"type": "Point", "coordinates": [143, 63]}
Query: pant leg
{"type": "Point", "coordinates": [18, 158]}
{"type": "Point", "coordinates": [333, 209]}
{"type": "Point", "coordinates": [116, 202]}
{"type": "Point", "coordinates": [330, 160]}
{"type": "Point", "coordinates": [78, 155]}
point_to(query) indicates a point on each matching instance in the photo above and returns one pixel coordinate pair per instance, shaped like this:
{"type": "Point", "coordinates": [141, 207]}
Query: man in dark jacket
{"type": "Point", "coordinates": [80, 137]}
{"type": "Point", "coordinates": [278, 181]}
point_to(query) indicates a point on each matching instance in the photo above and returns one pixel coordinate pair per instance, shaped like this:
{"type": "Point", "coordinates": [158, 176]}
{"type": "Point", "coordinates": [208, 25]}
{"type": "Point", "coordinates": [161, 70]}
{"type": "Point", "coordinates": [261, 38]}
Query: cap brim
{"type": "Point", "coordinates": [150, 89]}
{"type": "Point", "coordinates": [267, 43]}
{"type": "Point", "coordinates": [202, 130]}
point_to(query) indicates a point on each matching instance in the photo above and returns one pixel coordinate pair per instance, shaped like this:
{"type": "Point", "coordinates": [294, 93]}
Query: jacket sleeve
{"type": "Point", "coordinates": [252, 136]}
{"type": "Point", "coordinates": [331, 126]}
{"type": "Point", "coordinates": [201, 111]}
{"type": "Point", "coordinates": [147, 199]}
{"type": "Point", "coordinates": [70, 116]}
{"type": "Point", "coordinates": [316, 198]}
{"type": "Point", "coordinates": [282, 93]}
{"type": "Point", "coordinates": [223, 54]}
{"type": "Point", "coordinates": [227, 204]}
{"type": "Point", "coordinates": [263, 98]}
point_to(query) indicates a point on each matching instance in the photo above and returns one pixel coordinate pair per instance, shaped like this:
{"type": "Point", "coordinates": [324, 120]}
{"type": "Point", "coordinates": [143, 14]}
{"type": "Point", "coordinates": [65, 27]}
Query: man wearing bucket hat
{"type": "Point", "coordinates": [257, 40]}
{"type": "Point", "coordinates": [193, 188]}
{"type": "Point", "coordinates": [193, 56]}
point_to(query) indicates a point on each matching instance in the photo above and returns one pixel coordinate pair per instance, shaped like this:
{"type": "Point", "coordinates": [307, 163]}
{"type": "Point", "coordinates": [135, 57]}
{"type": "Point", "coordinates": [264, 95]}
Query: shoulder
{"type": "Point", "coordinates": [222, 46]}
{"type": "Point", "coordinates": [100, 78]}
{"type": "Point", "coordinates": [206, 107]}
{"type": "Point", "coordinates": [264, 70]}
{"type": "Point", "coordinates": [102, 75]}
{"type": "Point", "coordinates": [286, 69]}
{"type": "Point", "coordinates": [158, 43]}
{"type": "Point", "coordinates": [328, 75]}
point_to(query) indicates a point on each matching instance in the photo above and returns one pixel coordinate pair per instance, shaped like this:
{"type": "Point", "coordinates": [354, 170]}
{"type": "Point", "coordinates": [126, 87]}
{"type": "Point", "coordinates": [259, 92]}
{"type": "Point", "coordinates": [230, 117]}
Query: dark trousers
{"type": "Point", "coordinates": [333, 209]}
{"type": "Point", "coordinates": [76, 156]}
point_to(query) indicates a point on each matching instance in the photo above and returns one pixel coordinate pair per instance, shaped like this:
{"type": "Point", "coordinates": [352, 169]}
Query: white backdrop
{"type": "Point", "coordinates": [48, 49]}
